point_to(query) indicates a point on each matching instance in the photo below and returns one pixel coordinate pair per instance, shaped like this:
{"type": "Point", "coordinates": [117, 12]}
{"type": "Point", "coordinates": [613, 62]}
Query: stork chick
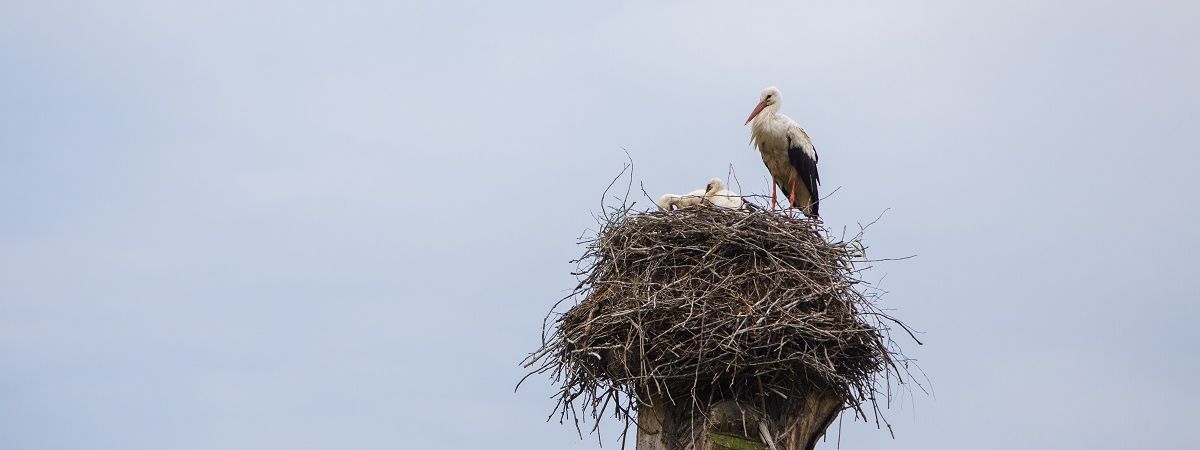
{"type": "Point", "coordinates": [713, 194]}
{"type": "Point", "coordinates": [717, 195]}
{"type": "Point", "coordinates": [669, 202]}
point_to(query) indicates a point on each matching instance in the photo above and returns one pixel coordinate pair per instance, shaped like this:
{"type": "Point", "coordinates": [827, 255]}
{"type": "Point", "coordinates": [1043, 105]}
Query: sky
{"type": "Point", "coordinates": [313, 225]}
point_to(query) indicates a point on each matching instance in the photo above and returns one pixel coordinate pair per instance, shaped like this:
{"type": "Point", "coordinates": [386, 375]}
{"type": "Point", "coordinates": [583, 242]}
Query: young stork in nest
{"type": "Point", "coordinates": [675, 201]}
{"type": "Point", "coordinates": [714, 194]}
{"type": "Point", "coordinates": [787, 152]}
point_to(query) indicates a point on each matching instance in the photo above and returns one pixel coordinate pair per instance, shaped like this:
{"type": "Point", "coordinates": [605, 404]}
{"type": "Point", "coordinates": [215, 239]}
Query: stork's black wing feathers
{"type": "Point", "coordinates": [806, 166]}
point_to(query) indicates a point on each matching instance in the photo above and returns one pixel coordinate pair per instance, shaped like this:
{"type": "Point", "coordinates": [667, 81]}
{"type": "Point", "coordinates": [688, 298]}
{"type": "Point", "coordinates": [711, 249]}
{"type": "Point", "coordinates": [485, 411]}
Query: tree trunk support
{"type": "Point", "coordinates": [731, 425]}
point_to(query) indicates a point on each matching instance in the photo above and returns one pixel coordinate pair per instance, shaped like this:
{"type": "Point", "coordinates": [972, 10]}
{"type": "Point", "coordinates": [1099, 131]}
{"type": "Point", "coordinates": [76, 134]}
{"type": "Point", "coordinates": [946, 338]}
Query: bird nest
{"type": "Point", "coordinates": [709, 304]}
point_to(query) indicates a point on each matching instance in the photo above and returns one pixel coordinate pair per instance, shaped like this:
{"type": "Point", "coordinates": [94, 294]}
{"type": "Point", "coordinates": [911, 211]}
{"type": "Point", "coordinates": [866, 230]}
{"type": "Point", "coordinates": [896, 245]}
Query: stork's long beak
{"type": "Point", "coordinates": [757, 109]}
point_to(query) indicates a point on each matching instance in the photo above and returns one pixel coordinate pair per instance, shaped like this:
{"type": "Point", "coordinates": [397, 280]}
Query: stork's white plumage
{"type": "Point", "coordinates": [675, 201]}
{"type": "Point", "coordinates": [666, 202]}
{"type": "Point", "coordinates": [787, 152]}
{"type": "Point", "coordinates": [713, 194]}
{"type": "Point", "coordinates": [717, 195]}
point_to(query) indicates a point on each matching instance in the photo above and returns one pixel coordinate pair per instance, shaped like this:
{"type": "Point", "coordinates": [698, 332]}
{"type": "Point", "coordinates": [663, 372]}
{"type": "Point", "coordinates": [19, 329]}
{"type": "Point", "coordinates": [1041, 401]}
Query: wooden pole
{"type": "Point", "coordinates": [797, 424]}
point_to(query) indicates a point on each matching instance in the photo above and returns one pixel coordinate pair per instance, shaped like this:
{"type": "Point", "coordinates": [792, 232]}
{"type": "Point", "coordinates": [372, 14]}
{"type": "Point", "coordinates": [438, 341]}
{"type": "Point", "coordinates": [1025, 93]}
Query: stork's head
{"type": "Point", "coordinates": [667, 201]}
{"type": "Point", "coordinates": [714, 185]}
{"type": "Point", "coordinates": [769, 98]}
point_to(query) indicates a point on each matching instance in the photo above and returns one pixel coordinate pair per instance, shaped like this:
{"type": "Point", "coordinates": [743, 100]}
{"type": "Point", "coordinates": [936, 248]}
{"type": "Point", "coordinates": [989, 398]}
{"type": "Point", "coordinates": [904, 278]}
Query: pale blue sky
{"type": "Point", "coordinates": [295, 225]}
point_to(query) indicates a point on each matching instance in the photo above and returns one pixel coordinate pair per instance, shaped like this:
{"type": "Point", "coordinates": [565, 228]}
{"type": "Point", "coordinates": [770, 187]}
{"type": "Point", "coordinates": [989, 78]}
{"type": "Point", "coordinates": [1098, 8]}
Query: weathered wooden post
{"type": "Point", "coordinates": [720, 329]}
{"type": "Point", "coordinates": [733, 425]}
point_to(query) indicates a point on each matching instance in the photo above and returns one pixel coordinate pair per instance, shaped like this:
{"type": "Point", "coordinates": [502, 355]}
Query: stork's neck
{"type": "Point", "coordinates": [766, 116]}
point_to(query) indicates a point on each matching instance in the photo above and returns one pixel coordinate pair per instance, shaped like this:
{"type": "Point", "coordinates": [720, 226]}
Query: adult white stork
{"type": "Point", "coordinates": [787, 152]}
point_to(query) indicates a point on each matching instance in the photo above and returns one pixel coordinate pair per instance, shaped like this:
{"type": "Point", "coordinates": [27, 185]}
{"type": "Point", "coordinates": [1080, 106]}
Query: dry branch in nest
{"type": "Point", "coordinates": [707, 305]}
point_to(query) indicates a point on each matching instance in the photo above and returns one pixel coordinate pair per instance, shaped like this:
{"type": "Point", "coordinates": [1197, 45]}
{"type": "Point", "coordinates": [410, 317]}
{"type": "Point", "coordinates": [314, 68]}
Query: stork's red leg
{"type": "Point", "coordinates": [773, 187]}
{"type": "Point", "coordinates": [792, 196]}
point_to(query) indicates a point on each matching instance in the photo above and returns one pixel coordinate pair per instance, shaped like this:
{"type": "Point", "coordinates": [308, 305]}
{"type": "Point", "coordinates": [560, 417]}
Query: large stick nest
{"type": "Point", "coordinates": [702, 304]}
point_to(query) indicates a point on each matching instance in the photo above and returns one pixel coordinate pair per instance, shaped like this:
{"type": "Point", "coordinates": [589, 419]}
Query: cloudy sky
{"type": "Point", "coordinates": [321, 226]}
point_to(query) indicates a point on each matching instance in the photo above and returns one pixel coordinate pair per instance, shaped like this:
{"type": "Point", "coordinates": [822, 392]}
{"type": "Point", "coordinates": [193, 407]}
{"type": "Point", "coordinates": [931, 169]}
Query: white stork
{"type": "Point", "coordinates": [716, 194]}
{"type": "Point", "coordinates": [787, 152]}
{"type": "Point", "coordinates": [675, 201]}
{"type": "Point", "coordinates": [713, 194]}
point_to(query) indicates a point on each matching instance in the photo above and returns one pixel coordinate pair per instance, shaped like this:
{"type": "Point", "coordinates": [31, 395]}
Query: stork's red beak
{"type": "Point", "coordinates": [757, 109]}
